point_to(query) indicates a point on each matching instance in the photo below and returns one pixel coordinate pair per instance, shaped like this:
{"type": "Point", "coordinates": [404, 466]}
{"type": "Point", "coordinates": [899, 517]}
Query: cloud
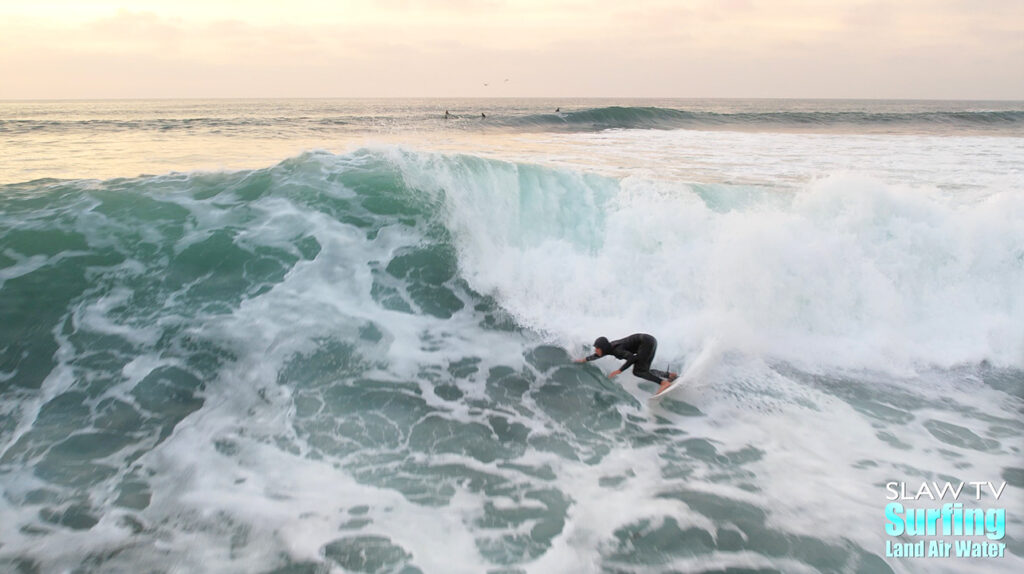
{"type": "Point", "coordinates": [739, 48]}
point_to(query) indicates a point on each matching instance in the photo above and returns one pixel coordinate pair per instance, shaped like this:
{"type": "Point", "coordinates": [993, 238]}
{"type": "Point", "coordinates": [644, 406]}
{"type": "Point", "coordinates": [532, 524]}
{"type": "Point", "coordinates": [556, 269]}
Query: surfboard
{"type": "Point", "coordinates": [678, 382]}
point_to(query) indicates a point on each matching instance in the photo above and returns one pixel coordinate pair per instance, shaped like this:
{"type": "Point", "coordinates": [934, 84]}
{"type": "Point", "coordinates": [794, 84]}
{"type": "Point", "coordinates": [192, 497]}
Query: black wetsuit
{"type": "Point", "coordinates": [638, 351]}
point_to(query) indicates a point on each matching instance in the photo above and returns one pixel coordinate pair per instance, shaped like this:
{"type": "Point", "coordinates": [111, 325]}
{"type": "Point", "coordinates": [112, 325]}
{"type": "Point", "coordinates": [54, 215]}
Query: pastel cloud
{"type": "Point", "coordinates": [740, 48]}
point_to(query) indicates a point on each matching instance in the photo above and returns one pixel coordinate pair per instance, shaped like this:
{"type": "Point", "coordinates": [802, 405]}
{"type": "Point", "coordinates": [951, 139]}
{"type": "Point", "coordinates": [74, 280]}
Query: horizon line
{"type": "Point", "coordinates": [775, 98]}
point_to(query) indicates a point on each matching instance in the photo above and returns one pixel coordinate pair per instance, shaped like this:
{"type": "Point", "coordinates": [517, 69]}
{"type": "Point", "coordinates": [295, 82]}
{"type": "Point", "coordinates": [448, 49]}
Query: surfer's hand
{"type": "Point", "coordinates": [579, 360]}
{"type": "Point", "coordinates": [614, 373]}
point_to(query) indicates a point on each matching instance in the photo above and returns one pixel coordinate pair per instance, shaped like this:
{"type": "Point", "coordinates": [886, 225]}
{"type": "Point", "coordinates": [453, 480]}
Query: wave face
{"type": "Point", "coordinates": [353, 360]}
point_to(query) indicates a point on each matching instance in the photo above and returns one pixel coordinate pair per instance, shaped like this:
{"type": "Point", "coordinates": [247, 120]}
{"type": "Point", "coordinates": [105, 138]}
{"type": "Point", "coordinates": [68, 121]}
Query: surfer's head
{"type": "Point", "coordinates": [602, 347]}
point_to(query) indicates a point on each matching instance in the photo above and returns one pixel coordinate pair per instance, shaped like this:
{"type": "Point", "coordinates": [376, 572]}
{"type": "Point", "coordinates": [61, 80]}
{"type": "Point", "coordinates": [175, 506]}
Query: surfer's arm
{"type": "Point", "coordinates": [588, 359]}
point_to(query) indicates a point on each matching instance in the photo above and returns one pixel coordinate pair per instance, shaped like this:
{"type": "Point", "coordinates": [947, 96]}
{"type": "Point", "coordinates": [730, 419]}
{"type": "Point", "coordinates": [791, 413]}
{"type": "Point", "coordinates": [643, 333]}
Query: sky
{"type": "Point", "coordinates": [919, 49]}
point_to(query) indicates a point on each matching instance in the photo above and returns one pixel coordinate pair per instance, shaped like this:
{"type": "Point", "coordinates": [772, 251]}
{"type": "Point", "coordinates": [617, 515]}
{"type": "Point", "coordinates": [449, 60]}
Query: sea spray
{"type": "Point", "coordinates": [849, 272]}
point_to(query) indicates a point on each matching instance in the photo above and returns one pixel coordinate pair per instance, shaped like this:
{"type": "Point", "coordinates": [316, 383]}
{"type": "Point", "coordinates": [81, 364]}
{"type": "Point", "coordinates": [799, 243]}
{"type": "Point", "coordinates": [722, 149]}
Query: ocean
{"type": "Point", "coordinates": [311, 336]}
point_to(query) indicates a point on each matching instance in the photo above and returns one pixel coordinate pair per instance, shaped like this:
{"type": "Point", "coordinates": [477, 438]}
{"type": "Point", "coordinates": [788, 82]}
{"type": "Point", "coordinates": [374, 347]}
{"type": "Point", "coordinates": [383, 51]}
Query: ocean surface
{"type": "Point", "coordinates": [311, 336]}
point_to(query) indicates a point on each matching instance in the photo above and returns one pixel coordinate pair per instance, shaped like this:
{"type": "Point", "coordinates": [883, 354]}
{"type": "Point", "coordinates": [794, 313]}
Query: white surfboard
{"type": "Point", "coordinates": [678, 382]}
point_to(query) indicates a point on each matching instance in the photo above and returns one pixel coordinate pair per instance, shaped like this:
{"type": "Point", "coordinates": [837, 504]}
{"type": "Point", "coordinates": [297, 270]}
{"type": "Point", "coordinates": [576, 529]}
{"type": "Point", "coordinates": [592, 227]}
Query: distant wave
{"type": "Point", "coordinates": [611, 118]}
{"type": "Point", "coordinates": [23, 126]}
{"type": "Point", "coordinates": [616, 117]}
{"type": "Point", "coordinates": [585, 120]}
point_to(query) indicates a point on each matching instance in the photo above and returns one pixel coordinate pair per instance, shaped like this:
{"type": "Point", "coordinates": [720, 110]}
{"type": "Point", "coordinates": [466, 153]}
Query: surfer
{"type": "Point", "coordinates": [446, 114]}
{"type": "Point", "coordinates": [638, 351]}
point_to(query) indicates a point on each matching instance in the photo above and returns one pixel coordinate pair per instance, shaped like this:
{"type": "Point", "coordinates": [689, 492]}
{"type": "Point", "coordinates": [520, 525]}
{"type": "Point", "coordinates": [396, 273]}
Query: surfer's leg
{"type": "Point", "coordinates": [644, 373]}
{"type": "Point", "coordinates": [664, 375]}
{"type": "Point", "coordinates": [646, 353]}
{"type": "Point", "coordinates": [642, 367]}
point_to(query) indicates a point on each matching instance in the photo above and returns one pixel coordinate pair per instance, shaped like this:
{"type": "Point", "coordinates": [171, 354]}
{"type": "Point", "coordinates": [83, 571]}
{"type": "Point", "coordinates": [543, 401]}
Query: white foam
{"type": "Point", "coordinates": [848, 272]}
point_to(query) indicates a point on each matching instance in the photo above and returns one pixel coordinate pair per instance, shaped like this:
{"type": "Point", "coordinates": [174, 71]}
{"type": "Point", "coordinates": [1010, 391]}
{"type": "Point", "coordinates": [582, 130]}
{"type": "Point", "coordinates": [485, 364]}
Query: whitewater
{"type": "Point", "coordinates": [288, 336]}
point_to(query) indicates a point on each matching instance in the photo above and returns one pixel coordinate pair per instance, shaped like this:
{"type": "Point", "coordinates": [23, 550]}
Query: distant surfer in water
{"type": "Point", "coordinates": [446, 114]}
{"type": "Point", "coordinates": [638, 351]}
